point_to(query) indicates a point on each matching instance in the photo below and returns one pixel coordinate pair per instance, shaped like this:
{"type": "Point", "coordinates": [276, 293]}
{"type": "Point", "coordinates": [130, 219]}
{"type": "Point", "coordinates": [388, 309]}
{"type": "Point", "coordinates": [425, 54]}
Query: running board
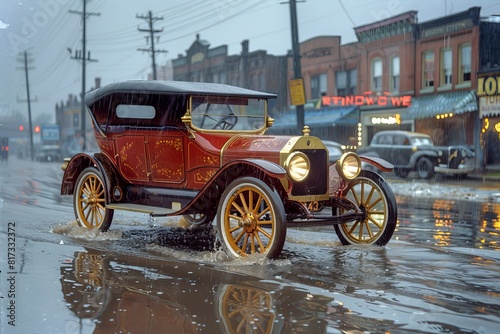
{"type": "Point", "coordinates": [150, 210]}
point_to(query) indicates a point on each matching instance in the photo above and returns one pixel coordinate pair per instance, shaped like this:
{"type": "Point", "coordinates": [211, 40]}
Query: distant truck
{"type": "Point", "coordinates": [4, 149]}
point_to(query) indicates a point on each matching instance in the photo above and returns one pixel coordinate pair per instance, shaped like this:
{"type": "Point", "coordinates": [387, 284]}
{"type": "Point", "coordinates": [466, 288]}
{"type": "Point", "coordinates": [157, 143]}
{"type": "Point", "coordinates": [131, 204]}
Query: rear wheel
{"type": "Point", "coordinates": [375, 198]}
{"type": "Point", "coordinates": [89, 201]}
{"type": "Point", "coordinates": [198, 218]}
{"type": "Point", "coordinates": [251, 219]}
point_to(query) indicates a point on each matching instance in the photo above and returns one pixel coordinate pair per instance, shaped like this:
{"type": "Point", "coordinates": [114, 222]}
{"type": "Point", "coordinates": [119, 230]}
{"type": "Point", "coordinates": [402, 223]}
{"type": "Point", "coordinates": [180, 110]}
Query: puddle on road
{"type": "Point", "coordinates": [73, 230]}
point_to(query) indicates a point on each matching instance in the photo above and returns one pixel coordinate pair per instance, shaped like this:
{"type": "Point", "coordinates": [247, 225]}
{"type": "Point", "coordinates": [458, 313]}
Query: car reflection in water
{"type": "Point", "coordinates": [130, 295]}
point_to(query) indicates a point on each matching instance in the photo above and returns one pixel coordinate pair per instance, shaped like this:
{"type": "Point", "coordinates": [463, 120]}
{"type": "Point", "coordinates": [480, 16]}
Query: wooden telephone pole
{"type": "Point", "coordinates": [150, 19]}
{"type": "Point", "coordinates": [84, 56]}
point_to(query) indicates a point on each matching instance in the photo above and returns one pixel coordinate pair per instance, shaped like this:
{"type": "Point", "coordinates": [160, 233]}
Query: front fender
{"type": "Point", "coordinates": [209, 195]}
{"type": "Point", "coordinates": [379, 163]}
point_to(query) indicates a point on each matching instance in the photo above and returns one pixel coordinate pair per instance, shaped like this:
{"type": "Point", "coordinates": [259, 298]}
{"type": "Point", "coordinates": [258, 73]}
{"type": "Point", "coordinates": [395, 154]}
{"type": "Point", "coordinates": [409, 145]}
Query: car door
{"type": "Point", "coordinates": [384, 146]}
{"type": "Point", "coordinates": [166, 155]}
{"type": "Point", "coordinates": [131, 156]}
{"type": "Point", "coordinates": [401, 150]}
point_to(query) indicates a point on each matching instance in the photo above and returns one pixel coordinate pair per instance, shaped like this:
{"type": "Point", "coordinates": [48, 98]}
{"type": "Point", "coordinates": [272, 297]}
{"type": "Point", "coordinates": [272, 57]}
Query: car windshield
{"type": "Point", "coordinates": [421, 141]}
{"type": "Point", "coordinates": [228, 113]}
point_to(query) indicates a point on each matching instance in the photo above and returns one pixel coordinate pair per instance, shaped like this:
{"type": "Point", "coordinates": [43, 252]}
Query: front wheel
{"type": "Point", "coordinates": [425, 168]}
{"type": "Point", "coordinates": [251, 219]}
{"type": "Point", "coordinates": [375, 198]}
{"type": "Point", "coordinates": [89, 201]}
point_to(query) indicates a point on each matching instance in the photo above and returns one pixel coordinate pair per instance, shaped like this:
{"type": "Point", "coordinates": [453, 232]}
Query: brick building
{"type": "Point", "coordinates": [386, 73]}
{"type": "Point", "coordinates": [255, 70]}
{"type": "Point", "coordinates": [488, 89]}
{"type": "Point", "coordinates": [446, 66]}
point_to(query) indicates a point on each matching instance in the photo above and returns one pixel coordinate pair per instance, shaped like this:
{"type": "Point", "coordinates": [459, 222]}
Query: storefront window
{"type": "Point", "coordinates": [446, 67]}
{"type": "Point", "coordinates": [465, 63]}
{"type": "Point", "coordinates": [428, 69]}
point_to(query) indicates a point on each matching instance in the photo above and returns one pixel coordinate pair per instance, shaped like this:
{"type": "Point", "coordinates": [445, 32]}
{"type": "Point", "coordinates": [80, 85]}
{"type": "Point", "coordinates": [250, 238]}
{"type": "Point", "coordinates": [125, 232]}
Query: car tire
{"type": "Point", "coordinates": [251, 219]}
{"type": "Point", "coordinates": [374, 196]}
{"type": "Point", "coordinates": [89, 201]}
{"type": "Point", "coordinates": [424, 168]}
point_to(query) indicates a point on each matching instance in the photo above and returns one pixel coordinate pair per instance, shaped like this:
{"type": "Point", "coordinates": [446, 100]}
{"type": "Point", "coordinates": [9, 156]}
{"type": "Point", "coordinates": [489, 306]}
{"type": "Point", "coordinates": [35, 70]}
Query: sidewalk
{"type": "Point", "coordinates": [491, 172]}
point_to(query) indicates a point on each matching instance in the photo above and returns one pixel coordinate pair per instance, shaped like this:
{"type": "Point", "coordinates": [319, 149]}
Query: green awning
{"type": "Point", "coordinates": [428, 106]}
{"type": "Point", "coordinates": [320, 117]}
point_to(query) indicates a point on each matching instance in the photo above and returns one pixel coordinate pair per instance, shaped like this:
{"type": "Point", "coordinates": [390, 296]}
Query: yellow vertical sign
{"type": "Point", "coordinates": [297, 94]}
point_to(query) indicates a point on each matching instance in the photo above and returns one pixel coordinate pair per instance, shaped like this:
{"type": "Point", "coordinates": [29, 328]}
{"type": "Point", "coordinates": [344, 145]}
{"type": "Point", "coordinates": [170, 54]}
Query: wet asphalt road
{"type": "Point", "coordinates": [439, 273]}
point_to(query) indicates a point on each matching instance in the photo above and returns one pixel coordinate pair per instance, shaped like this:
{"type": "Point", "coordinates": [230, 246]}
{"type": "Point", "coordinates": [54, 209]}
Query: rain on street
{"type": "Point", "coordinates": [438, 274]}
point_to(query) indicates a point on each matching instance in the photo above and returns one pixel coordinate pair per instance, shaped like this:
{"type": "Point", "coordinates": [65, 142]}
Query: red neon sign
{"type": "Point", "coordinates": [368, 99]}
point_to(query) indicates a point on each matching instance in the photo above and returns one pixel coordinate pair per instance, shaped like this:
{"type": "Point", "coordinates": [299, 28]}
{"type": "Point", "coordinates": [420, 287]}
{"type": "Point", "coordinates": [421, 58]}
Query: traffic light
{"type": "Point", "coordinates": [37, 129]}
{"type": "Point", "coordinates": [21, 127]}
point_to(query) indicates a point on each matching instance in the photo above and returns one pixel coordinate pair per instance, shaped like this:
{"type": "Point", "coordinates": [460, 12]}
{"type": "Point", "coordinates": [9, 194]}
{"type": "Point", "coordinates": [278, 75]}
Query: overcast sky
{"type": "Point", "coordinates": [46, 29]}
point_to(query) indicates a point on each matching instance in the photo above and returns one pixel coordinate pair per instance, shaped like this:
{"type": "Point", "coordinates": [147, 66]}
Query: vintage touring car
{"type": "Point", "coordinates": [198, 150]}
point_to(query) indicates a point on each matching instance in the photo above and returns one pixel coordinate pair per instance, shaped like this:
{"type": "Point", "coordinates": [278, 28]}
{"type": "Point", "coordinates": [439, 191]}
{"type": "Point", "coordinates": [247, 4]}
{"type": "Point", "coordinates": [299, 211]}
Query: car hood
{"type": "Point", "coordinates": [266, 147]}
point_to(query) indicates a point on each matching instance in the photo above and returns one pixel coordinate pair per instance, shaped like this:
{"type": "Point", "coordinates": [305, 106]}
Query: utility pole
{"type": "Point", "coordinates": [84, 57]}
{"type": "Point", "coordinates": [296, 58]}
{"type": "Point", "coordinates": [25, 61]}
{"type": "Point", "coordinates": [150, 19]}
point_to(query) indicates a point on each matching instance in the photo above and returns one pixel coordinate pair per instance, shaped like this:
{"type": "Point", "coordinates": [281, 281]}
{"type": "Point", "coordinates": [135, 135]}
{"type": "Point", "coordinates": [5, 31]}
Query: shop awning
{"type": "Point", "coordinates": [319, 117]}
{"type": "Point", "coordinates": [429, 106]}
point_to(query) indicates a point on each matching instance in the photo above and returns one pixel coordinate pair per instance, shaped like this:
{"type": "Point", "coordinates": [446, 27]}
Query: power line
{"type": "Point", "coordinates": [151, 20]}
{"type": "Point", "coordinates": [84, 57]}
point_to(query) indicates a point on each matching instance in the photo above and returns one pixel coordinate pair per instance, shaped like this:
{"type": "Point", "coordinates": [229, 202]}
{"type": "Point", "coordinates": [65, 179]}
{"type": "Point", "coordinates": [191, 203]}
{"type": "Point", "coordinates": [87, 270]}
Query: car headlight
{"type": "Point", "coordinates": [297, 166]}
{"type": "Point", "coordinates": [349, 166]}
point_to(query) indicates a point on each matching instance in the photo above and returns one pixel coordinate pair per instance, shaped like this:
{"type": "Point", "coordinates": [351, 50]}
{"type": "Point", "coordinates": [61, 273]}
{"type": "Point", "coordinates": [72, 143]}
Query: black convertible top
{"type": "Point", "coordinates": [171, 88]}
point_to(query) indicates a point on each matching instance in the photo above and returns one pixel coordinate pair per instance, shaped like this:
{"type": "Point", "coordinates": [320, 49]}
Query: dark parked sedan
{"type": "Point", "coordinates": [413, 151]}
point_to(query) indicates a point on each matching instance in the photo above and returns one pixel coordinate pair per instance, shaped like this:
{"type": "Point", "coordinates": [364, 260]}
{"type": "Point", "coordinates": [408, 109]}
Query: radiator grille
{"type": "Point", "coordinates": [317, 181]}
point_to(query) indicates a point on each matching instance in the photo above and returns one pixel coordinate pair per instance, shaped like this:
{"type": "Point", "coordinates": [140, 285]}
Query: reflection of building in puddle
{"type": "Point", "coordinates": [490, 225]}
{"type": "Point", "coordinates": [444, 224]}
{"type": "Point", "coordinates": [127, 294]}
{"type": "Point", "coordinates": [466, 224]}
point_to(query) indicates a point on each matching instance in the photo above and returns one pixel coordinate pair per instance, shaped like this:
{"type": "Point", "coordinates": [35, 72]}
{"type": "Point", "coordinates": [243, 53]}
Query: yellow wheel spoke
{"type": "Point", "coordinates": [245, 240]}
{"type": "Point", "coordinates": [376, 223]}
{"type": "Point", "coordinates": [374, 203]}
{"type": "Point", "coordinates": [261, 245]}
{"type": "Point", "coordinates": [265, 211]}
{"type": "Point", "coordinates": [237, 207]}
{"type": "Point", "coordinates": [353, 227]}
{"type": "Point", "coordinates": [372, 191]}
{"type": "Point", "coordinates": [244, 202]}
{"type": "Point", "coordinates": [258, 203]}
{"type": "Point", "coordinates": [368, 229]}
{"type": "Point", "coordinates": [264, 232]}
{"type": "Point", "coordinates": [234, 229]}
{"type": "Point", "coordinates": [356, 199]}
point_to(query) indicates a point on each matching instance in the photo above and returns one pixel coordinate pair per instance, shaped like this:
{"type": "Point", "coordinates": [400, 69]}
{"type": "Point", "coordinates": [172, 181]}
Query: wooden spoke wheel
{"type": "Point", "coordinates": [89, 201]}
{"type": "Point", "coordinates": [251, 219]}
{"type": "Point", "coordinates": [376, 199]}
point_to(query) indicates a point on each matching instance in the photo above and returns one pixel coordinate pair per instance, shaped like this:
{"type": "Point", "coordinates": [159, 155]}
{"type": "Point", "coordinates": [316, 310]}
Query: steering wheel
{"type": "Point", "coordinates": [226, 123]}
